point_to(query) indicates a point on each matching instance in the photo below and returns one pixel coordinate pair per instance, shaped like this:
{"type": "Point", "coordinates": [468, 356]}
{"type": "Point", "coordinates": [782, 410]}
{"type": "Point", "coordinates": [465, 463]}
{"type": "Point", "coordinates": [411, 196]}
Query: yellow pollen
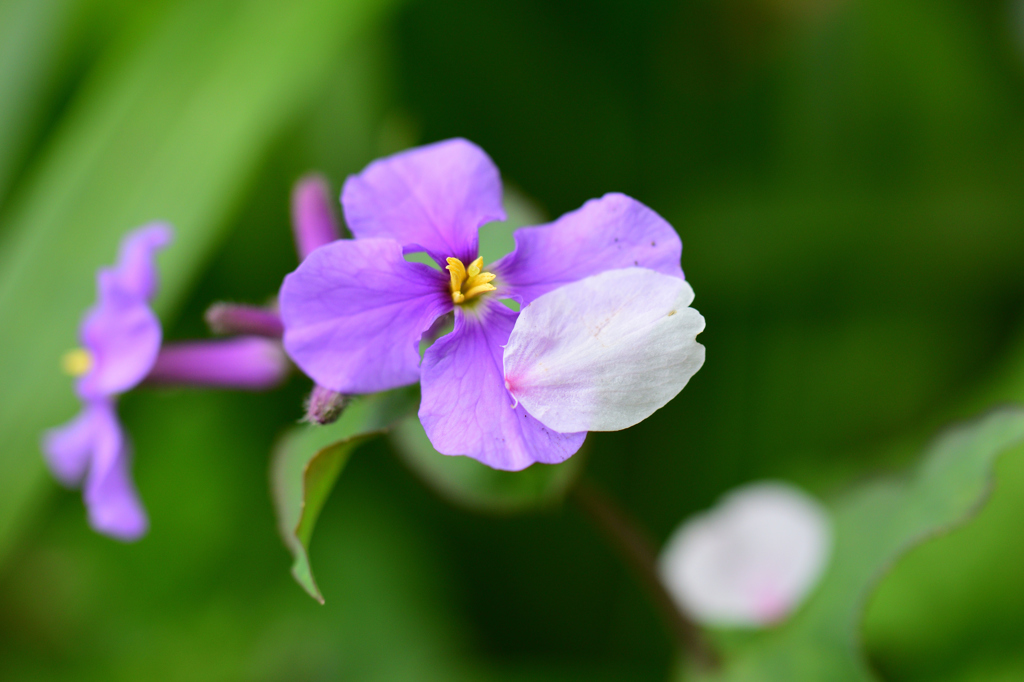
{"type": "Point", "coordinates": [76, 362]}
{"type": "Point", "coordinates": [468, 282]}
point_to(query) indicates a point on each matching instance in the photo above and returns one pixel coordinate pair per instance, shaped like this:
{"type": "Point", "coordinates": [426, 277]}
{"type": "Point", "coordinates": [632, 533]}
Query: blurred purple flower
{"type": "Point", "coordinates": [355, 310]}
{"type": "Point", "coordinates": [121, 347]}
{"type": "Point", "coordinates": [121, 339]}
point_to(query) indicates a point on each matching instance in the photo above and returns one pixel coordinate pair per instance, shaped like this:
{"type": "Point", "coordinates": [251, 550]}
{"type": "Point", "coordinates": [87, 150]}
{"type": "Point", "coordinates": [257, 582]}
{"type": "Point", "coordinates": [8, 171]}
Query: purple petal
{"type": "Point", "coordinates": [247, 362]}
{"type": "Point", "coordinates": [68, 448]}
{"type": "Point", "coordinates": [114, 505]}
{"type": "Point", "coordinates": [123, 336]}
{"type": "Point", "coordinates": [313, 221]}
{"type": "Point", "coordinates": [136, 264]}
{"type": "Point", "coordinates": [609, 233]}
{"type": "Point", "coordinates": [110, 495]}
{"type": "Point", "coordinates": [354, 312]}
{"type": "Point", "coordinates": [465, 408]}
{"type": "Point", "coordinates": [431, 198]}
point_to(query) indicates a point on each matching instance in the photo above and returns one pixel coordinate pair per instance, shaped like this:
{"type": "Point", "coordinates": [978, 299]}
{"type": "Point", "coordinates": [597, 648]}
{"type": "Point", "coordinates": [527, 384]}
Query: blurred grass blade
{"type": "Point", "coordinates": [469, 484]}
{"type": "Point", "coordinates": [171, 125]}
{"type": "Point", "coordinates": [31, 33]}
{"type": "Point", "coordinates": [874, 527]}
{"type": "Point", "coordinates": [308, 460]}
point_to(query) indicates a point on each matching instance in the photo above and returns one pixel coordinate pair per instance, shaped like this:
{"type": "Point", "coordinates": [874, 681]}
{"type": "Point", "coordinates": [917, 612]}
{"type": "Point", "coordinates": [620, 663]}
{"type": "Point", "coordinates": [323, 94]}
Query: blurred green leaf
{"type": "Point", "coordinates": [169, 125]}
{"type": "Point", "coordinates": [954, 603]}
{"type": "Point", "coordinates": [874, 527]}
{"type": "Point", "coordinates": [307, 462]}
{"type": "Point", "coordinates": [468, 483]}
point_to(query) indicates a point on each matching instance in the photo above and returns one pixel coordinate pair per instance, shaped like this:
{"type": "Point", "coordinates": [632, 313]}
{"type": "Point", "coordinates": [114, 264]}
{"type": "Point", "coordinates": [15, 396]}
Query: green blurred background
{"type": "Point", "coordinates": [847, 177]}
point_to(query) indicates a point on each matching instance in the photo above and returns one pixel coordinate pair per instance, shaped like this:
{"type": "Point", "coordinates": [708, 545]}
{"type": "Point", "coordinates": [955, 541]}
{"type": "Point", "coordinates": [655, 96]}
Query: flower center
{"type": "Point", "coordinates": [468, 283]}
{"type": "Point", "coordinates": [76, 362]}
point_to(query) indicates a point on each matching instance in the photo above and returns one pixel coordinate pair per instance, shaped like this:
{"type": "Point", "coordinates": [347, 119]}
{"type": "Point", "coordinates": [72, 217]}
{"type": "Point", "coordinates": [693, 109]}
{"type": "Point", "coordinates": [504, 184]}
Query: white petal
{"type": "Point", "coordinates": [751, 560]}
{"type": "Point", "coordinates": [605, 352]}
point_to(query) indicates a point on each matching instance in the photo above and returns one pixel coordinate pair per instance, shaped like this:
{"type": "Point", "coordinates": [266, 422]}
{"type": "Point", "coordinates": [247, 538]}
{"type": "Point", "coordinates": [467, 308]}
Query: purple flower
{"type": "Point", "coordinates": [121, 339]}
{"type": "Point", "coordinates": [121, 348]}
{"type": "Point", "coordinates": [355, 310]}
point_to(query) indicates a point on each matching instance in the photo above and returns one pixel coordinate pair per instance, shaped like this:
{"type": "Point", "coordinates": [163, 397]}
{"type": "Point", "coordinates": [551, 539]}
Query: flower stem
{"type": "Point", "coordinates": [635, 548]}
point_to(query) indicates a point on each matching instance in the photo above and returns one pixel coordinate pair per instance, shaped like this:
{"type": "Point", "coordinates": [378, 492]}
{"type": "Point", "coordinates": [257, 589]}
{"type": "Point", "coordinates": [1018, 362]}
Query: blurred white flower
{"type": "Point", "coordinates": [750, 561]}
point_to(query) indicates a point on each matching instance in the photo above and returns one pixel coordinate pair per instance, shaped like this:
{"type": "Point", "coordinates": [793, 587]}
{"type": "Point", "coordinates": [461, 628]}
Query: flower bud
{"type": "Point", "coordinates": [324, 406]}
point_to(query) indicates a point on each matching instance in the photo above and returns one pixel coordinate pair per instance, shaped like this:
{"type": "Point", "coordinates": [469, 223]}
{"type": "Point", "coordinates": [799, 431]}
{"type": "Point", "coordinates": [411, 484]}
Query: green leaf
{"type": "Point", "coordinates": [477, 487]}
{"type": "Point", "coordinates": [874, 526]}
{"type": "Point", "coordinates": [169, 125]}
{"type": "Point", "coordinates": [307, 462]}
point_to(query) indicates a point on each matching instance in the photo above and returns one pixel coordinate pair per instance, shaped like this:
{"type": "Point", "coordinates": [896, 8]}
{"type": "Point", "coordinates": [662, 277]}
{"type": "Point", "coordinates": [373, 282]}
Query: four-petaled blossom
{"type": "Point", "coordinates": [750, 561]}
{"type": "Point", "coordinates": [121, 347]}
{"type": "Point", "coordinates": [354, 311]}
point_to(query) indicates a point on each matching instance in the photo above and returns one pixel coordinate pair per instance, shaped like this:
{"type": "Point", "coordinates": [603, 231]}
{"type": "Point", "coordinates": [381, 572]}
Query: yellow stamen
{"type": "Point", "coordinates": [467, 283]}
{"type": "Point", "coordinates": [458, 274]}
{"type": "Point", "coordinates": [76, 362]}
{"type": "Point", "coordinates": [479, 289]}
